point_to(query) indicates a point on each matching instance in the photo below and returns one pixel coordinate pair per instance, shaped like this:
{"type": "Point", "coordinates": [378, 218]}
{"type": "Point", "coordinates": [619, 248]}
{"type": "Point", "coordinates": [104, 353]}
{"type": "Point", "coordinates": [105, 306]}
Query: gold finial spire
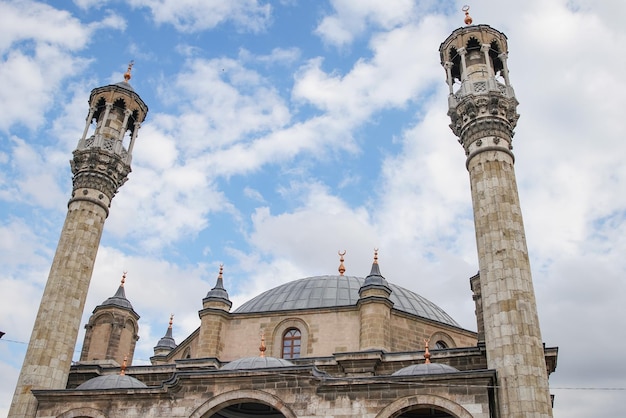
{"type": "Point", "coordinates": [468, 18]}
{"type": "Point", "coordinates": [262, 348]}
{"type": "Point", "coordinates": [127, 74]}
{"type": "Point", "coordinates": [123, 368]}
{"type": "Point", "coordinates": [426, 352]}
{"type": "Point", "coordinates": [375, 255]}
{"type": "Point", "coordinates": [123, 278]}
{"type": "Point", "coordinates": [342, 268]}
{"type": "Point", "coordinates": [171, 321]}
{"type": "Point", "coordinates": [219, 276]}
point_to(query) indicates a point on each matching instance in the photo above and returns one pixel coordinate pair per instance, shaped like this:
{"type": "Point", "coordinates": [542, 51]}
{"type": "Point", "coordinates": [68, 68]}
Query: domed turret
{"type": "Point", "coordinates": [165, 345]}
{"type": "Point", "coordinates": [111, 332]}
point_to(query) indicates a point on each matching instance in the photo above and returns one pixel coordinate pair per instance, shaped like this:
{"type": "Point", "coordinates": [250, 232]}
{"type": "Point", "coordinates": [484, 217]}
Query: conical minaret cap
{"type": "Point", "coordinates": [219, 292]}
{"type": "Point", "coordinates": [119, 298]}
{"type": "Point", "coordinates": [167, 342]}
{"type": "Point", "coordinates": [375, 279]}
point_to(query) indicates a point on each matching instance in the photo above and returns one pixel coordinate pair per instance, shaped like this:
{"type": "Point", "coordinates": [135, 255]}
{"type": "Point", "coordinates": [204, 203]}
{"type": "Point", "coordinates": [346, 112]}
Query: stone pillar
{"type": "Point", "coordinates": [98, 172]}
{"type": "Point", "coordinates": [478, 303]}
{"type": "Point", "coordinates": [483, 114]}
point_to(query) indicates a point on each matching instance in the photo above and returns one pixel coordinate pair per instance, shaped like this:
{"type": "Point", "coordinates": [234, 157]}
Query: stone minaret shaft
{"type": "Point", "coordinates": [100, 167]}
{"type": "Point", "coordinates": [483, 114]}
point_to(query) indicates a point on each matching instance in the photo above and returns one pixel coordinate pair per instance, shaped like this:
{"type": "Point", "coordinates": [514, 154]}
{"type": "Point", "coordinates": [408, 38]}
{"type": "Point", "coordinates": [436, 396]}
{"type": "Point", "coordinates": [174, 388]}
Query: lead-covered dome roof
{"type": "Point", "coordinates": [334, 291]}
{"type": "Point", "coordinates": [258, 362]}
{"type": "Point", "coordinates": [112, 381]}
{"type": "Point", "coordinates": [425, 368]}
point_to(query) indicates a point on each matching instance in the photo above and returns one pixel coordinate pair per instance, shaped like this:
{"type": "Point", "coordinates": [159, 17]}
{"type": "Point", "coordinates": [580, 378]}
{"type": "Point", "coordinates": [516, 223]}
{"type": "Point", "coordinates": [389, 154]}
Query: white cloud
{"type": "Point", "coordinates": [391, 78]}
{"type": "Point", "coordinates": [282, 56]}
{"type": "Point", "coordinates": [221, 102]}
{"type": "Point", "coordinates": [194, 15]}
{"type": "Point", "coordinates": [353, 18]}
{"type": "Point", "coordinates": [31, 175]}
{"type": "Point", "coordinates": [38, 44]}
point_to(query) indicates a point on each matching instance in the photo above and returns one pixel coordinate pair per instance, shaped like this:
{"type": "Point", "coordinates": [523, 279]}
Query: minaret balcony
{"type": "Point", "coordinates": [111, 145]}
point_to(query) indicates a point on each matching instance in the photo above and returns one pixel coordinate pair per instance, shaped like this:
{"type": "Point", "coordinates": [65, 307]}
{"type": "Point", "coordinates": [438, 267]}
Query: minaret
{"type": "Point", "coordinates": [112, 331]}
{"type": "Point", "coordinates": [483, 114]}
{"type": "Point", "coordinates": [100, 167]}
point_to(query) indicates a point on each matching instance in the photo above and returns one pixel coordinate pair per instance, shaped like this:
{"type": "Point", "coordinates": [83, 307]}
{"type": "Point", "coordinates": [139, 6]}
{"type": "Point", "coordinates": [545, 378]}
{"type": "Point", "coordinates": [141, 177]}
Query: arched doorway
{"type": "Point", "coordinates": [247, 409]}
{"type": "Point", "coordinates": [425, 412]}
{"type": "Point", "coordinates": [243, 404]}
{"type": "Point", "coordinates": [420, 406]}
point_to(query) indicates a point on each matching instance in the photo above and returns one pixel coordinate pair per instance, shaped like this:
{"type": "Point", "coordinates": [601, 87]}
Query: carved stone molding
{"type": "Point", "coordinates": [97, 169]}
{"type": "Point", "coordinates": [477, 116]}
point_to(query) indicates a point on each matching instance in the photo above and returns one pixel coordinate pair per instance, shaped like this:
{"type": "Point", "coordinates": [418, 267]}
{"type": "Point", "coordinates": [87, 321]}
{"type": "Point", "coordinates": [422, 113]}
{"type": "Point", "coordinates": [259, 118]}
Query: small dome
{"type": "Point", "coordinates": [425, 368]}
{"type": "Point", "coordinates": [112, 381]}
{"type": "Point", "coordinates": [333, 291]}
{"type": "Point", "coordinates": [247, 363]}
{"type": "Point", "coordinates": [124, 85]}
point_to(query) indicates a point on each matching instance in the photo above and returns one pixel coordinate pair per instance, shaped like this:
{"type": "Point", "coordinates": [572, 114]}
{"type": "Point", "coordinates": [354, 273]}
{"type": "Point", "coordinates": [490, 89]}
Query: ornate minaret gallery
{"type": "Point", "coordinates": [483, 114]}
{"type": "Point", "coordinates": [100, 167]}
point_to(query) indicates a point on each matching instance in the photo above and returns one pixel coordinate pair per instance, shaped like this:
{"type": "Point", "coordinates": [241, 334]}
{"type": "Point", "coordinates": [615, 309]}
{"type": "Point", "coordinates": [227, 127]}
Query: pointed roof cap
{"type": "Point", "coordinates": [375, 279]}
{"type": "Point", "coordinates": [119, 298]}
{"type": "Point", "coordinates": [219, 292]}
{"type": "Point", "coordinates": [167, 341]}
{"type": "Point", "coordinates": [127, 76]}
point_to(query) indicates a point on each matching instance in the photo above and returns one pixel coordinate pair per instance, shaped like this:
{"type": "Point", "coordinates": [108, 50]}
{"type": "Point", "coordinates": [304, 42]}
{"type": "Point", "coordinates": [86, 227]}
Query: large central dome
{"type": "Point", "coordinates": [333, 291]}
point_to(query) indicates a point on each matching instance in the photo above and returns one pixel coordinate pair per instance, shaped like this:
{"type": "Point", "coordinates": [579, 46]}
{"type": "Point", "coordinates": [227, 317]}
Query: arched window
{"type": "Point", "coordinates": [292, 339]}
{"type": "Point", "coordinates": [441, 345]}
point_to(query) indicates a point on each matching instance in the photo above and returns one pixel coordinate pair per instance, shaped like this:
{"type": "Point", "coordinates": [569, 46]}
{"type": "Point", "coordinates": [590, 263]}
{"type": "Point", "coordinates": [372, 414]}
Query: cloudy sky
{"type": "Point", "coordinates": [281, 132]}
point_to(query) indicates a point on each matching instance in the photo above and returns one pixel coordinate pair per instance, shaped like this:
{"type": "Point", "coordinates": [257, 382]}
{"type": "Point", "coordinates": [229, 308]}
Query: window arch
{"type": "Point", "coordinates": [441, 341]}
{"type": "Point", "coordinates": [292, 343]}
{"type": "Point", "coordinates": [275, 349]}
{"type": "Point", "coordinates": [441, 345]}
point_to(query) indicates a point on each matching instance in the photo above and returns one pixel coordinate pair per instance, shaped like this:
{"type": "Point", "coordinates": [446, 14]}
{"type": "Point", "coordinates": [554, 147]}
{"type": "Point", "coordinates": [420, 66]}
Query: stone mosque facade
{"type": "Point", "coordinates": [328, 346]}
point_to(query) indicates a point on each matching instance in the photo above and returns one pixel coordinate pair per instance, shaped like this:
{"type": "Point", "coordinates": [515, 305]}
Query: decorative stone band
{"type": "Point", "coordinates": [485, 149]}
{"type": "Point", "coordinates": [98, 175]}
{"type": "Point", "coordinates": [487, 110]}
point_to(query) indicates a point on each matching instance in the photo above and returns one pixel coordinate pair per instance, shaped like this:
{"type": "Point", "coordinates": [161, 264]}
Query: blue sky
{"type": "Point", "coordinates": [281, 132]}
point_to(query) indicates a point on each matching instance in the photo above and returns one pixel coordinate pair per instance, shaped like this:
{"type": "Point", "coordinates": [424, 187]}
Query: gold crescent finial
{"type": "Point", "coordinates": [426, 352]}
{"type": "Point", "coordinates": [342, 268]}
{"type": "Point", "coordinates": [123, 278]}
{"type": "Point", "coordinates": [468, 18]}
{"type": "Point", "coordinates": [262, 348]}
{"type": "Point", "coordinates": [127, 74]}
{"type": "Point", "coordinates": [375, 255]}
{"type": "Point", "coordinates": [171, 320]}
{"type": "Point", "coordinates": [123, 368]}
{"type": "Point", "coordinates": [221, 271]}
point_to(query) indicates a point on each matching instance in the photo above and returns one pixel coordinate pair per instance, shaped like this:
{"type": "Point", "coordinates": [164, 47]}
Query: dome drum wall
{"type": "Point", "coordinates": [314, 306]}
{"type": "Point", "coordinates": [338, 291]}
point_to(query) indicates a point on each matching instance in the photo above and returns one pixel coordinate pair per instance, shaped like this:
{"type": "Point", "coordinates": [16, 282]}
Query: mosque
{"type": "Point", "coordinates": [328, 346]}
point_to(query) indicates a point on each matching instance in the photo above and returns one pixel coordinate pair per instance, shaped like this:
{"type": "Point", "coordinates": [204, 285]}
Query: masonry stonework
{"type": "Point", "coordinates": [100, 166]}
{"type": "Point", "coordinates": [483, 115]}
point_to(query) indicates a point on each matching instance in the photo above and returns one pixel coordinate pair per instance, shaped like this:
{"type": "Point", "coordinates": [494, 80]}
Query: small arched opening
{"type": "Point", "coordinates": [292, 342]}
{"type": "Point", "coordinates": [419, 412]}
{"type": "Point", "coordinates": [243, 404]}
{"type": "Point", "coordinates": [418, 406]}
{"type": "Point", "coordinates": [247, 409]}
